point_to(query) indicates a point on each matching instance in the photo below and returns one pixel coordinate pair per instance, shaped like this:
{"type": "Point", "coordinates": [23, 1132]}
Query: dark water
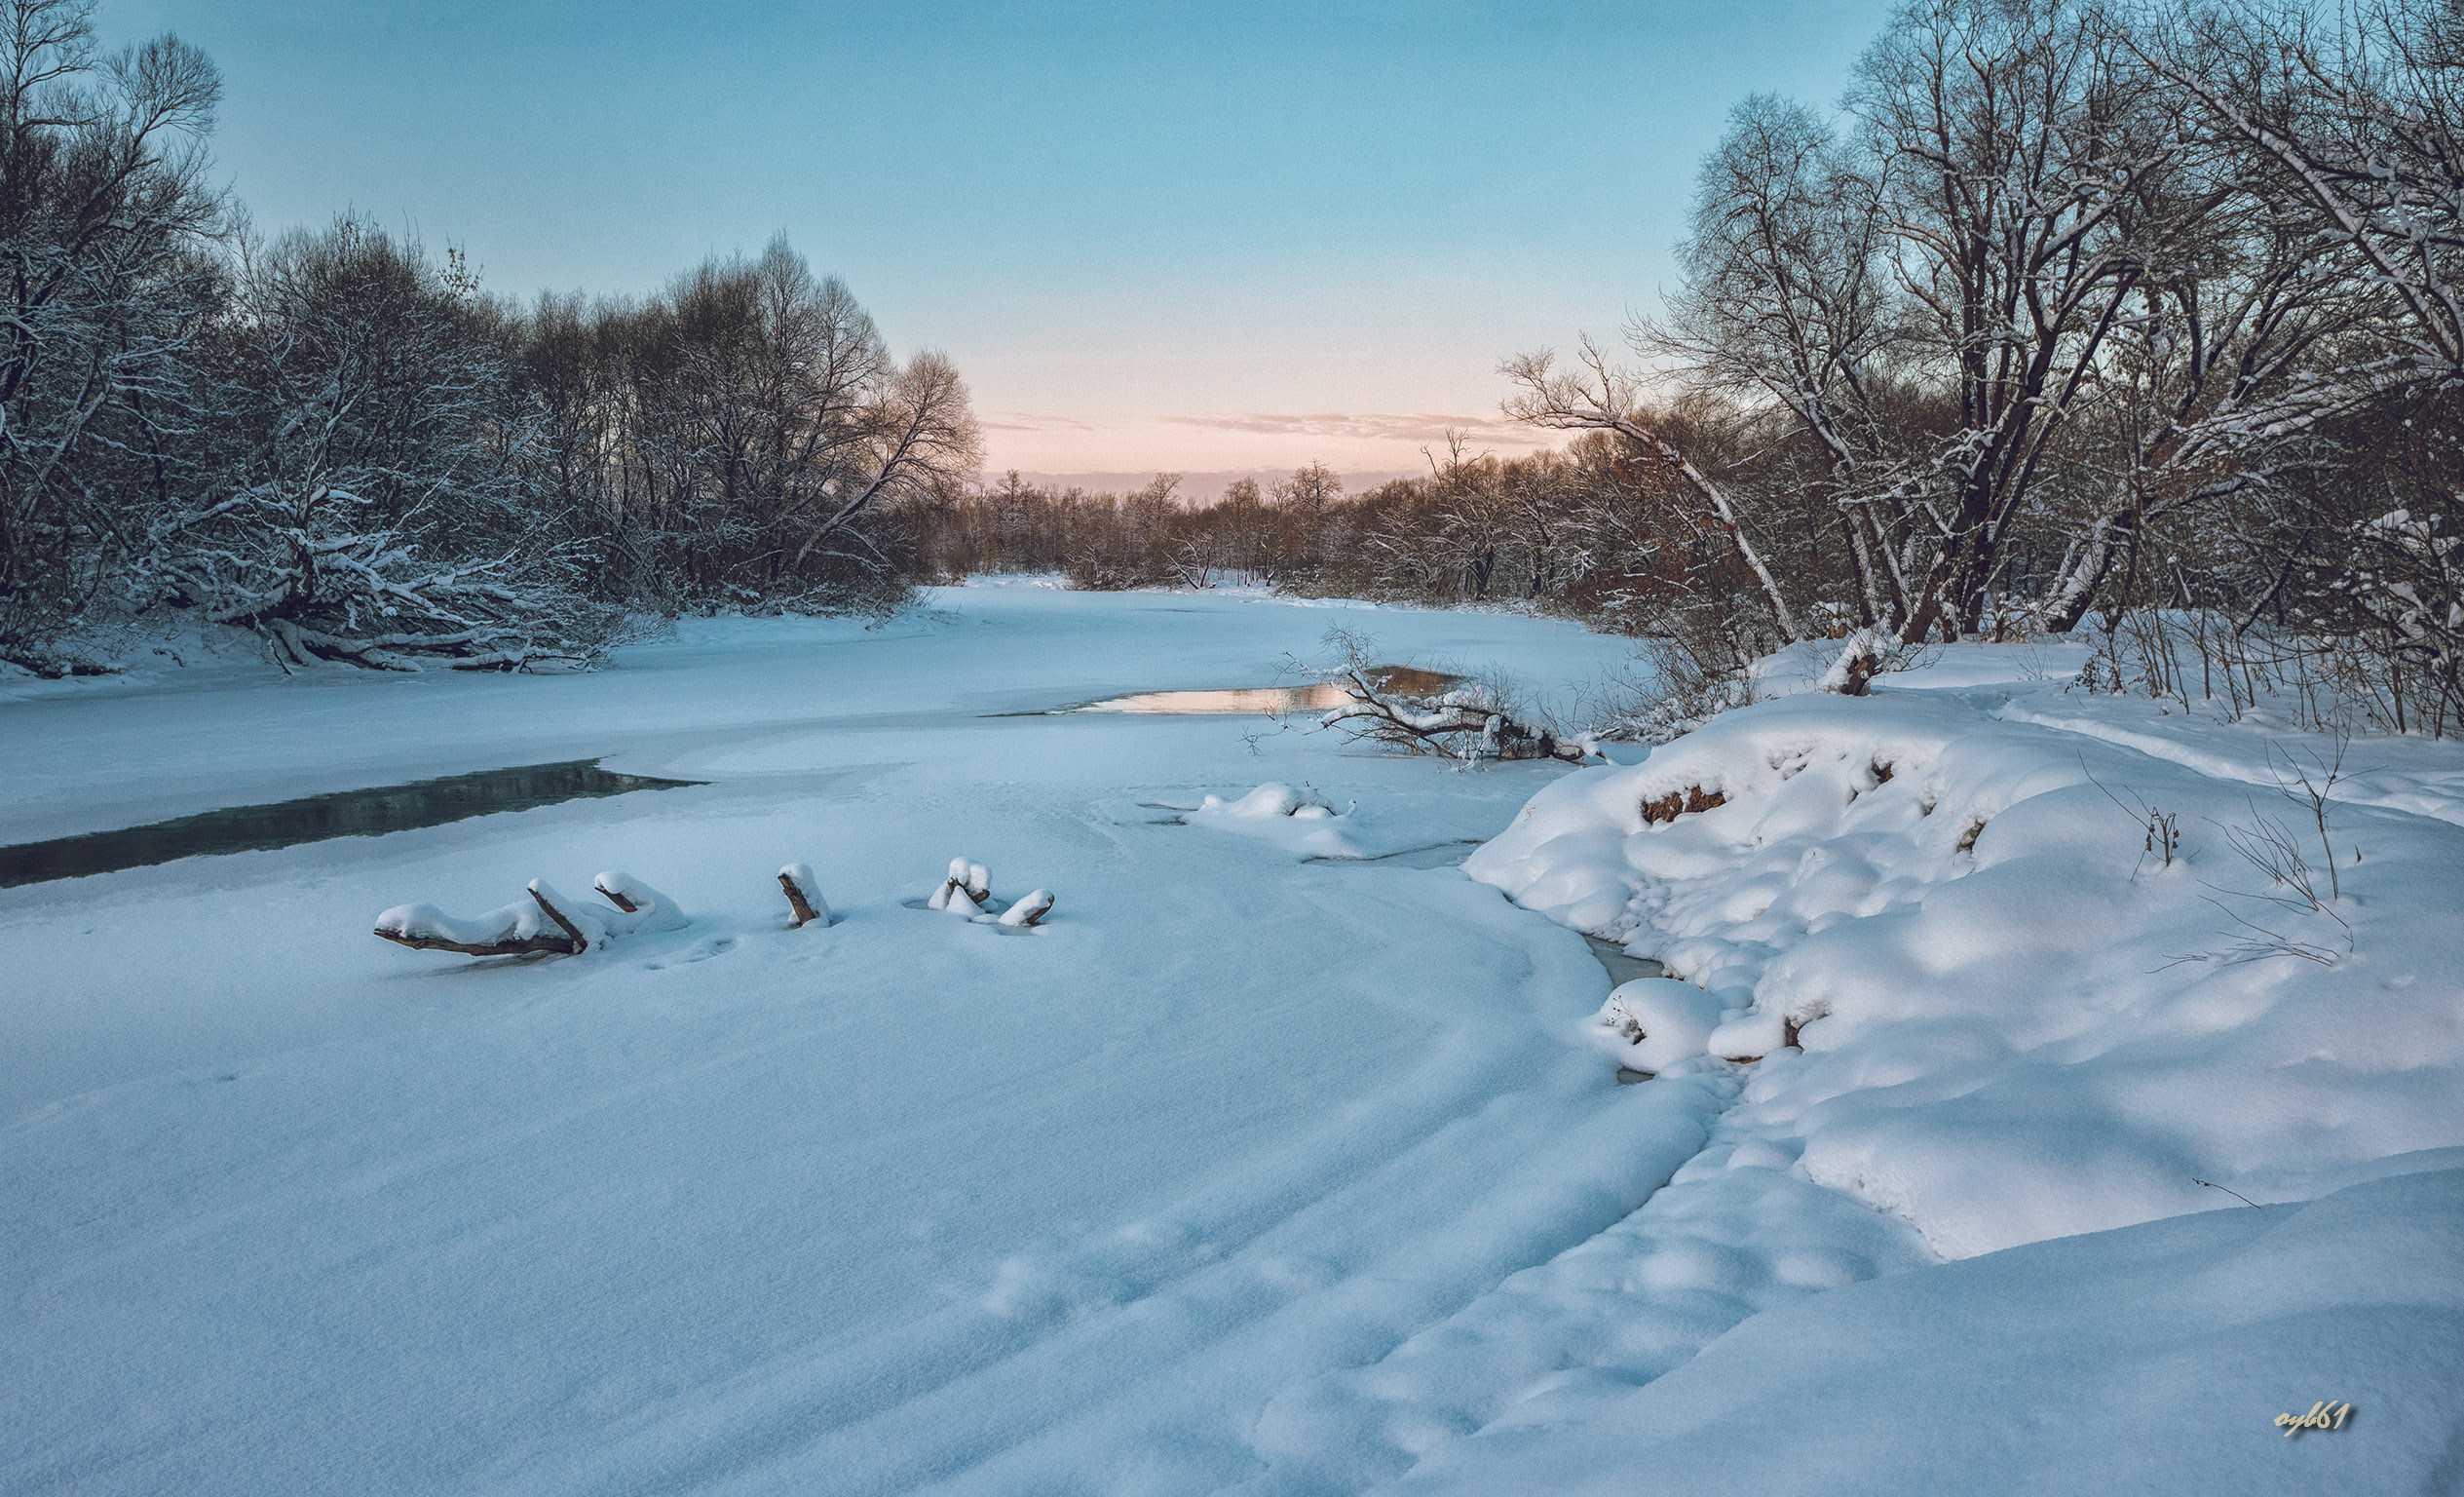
{"type": "Point", "coordinates": [370, 813]}
{"type": "Point", "coordinates": [1622, 968]}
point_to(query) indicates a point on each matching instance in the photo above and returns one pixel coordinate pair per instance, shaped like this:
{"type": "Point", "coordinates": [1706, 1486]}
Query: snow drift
{"type": "Point", "coordinates": [2158, 1357]}
{"type": "Point", "coordinates": [1981, 996]}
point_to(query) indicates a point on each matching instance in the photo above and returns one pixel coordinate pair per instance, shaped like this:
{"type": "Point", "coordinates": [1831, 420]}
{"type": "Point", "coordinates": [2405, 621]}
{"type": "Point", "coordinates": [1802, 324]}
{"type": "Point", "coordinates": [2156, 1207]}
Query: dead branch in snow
{"type": "Point", "coordinates": [965, 890]}
{"type": "Point", "coordinates": [558, 945]}
{"type": "Point", "coordinates": [1470, 721]}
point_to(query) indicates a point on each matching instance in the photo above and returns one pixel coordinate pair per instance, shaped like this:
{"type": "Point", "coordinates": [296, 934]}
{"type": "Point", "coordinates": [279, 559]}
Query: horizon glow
{"type": "Point", "coordinates": [1151, 237]}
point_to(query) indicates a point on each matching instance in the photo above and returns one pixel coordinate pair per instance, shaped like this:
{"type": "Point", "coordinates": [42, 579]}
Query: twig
{"type": "Point", "coordinates": [2227, 1189]}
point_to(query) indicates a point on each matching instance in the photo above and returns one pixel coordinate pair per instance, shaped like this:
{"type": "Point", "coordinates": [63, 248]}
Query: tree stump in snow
{"type": "Point", "coordinates": [804, 894]}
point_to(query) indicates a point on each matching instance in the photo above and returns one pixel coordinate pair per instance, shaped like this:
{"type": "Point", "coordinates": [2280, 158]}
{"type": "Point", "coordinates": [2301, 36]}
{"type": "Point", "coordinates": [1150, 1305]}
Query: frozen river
{"type": "Point", "coordinates": [900, 1202]}
{"type": "Point", "coordinates": [1284, 1159]}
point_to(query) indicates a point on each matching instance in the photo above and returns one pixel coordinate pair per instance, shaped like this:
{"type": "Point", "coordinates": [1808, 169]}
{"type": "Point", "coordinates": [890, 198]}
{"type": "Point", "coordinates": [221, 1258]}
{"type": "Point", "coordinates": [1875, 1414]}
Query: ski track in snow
{"type": "Point", "coordinates": [899, 1203]}
{"type": "Point", "coordinates": [1251, 1170]}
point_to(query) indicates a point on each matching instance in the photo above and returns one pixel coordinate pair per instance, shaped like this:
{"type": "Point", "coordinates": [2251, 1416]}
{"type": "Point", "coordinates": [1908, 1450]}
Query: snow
{"type": "Point", "coordinates": [287, 1208]}
{"type": "Point", "coordinates": [2016, 1020]}
{"type": "Point", "coordinates": [2150, 1359]}
{"type": "Point", "coordinates": [1274, 1161]}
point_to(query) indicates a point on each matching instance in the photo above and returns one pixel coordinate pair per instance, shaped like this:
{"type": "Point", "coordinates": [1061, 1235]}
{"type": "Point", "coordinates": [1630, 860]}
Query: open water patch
{"type": "Point", "coordinates": [1621, 965]}
{"type": "Point", "coordinates": [1624, 967]}
{"type": "Point", "coordinates": [1312, 697]}
{"type": "Point", "coordinates": [368, 813]}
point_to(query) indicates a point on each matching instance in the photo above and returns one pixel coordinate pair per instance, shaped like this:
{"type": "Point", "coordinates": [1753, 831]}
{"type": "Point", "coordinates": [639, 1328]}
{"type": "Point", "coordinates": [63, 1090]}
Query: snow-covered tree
{"type": "Point", "coordinates": [105, 223]}
{"type": "Point", "coordinates": [370, 495]}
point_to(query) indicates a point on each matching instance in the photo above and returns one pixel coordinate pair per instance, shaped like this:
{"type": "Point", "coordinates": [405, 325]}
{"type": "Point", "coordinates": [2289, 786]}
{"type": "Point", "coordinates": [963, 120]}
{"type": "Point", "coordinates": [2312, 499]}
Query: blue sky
{"type": "Point", "coordinates": [1153, 236]}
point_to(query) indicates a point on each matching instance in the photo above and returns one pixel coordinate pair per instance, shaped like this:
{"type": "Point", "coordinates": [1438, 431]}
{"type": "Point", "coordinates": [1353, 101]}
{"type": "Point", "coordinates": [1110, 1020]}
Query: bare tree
{"type": "Point", "coordinates": [105, 219]}
{"type": "Point", "coordinates": [1596, 395]}
{"type": "Point", "coordinates": [1785, 301]}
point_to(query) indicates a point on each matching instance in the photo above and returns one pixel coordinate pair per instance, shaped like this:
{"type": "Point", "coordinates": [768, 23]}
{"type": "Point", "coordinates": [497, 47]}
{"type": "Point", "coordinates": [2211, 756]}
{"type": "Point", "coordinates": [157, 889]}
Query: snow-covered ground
{"type": "Point", "coordinates": [1249, 1170]}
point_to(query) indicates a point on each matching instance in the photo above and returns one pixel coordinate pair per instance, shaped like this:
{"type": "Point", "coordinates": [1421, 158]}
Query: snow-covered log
{"type": "Point", "coordinates": [546, 922]}
{"type": "Point", "coordinates": [1866, 655]}
{"type": "Point", "coordinates": [804, 894]}
{"type": "Point", "coordinates": [653, 910]}
{"type": "Point", "coordinates": [510, 931]}
{"type": "Point", "coordinates": [1269, 801]}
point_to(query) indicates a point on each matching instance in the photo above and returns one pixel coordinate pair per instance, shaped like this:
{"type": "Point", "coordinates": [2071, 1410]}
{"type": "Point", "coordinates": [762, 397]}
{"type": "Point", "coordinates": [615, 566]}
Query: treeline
{"type": "Point", "coordinates": [2070, 312]}
{"type": "Point", "coordinates": [1559, 531]}
{"type": "Point", "coordinates": [340, 443]}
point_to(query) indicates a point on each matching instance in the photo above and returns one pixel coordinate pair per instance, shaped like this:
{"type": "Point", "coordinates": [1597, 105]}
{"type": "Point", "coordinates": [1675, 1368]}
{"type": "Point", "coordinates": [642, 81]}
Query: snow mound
{"type": "Point", "coordinates": [1959, 956]}
{"type": "Point", "coordinates": [1300, 821]}
{"type": "Point", "coordinates": [1651, 1024]}
{"type": "Point", "coordinates": [2163, 1354]}
{"type": "Point", "coordinates": [1270, 799]}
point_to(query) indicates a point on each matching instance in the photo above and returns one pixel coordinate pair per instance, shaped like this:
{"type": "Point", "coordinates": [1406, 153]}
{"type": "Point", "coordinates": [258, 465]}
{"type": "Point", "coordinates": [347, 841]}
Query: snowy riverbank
{"type": "Point", "coordinates": [1247, 1170]}
{"type": "Point", "coordinates": [2002, 962]}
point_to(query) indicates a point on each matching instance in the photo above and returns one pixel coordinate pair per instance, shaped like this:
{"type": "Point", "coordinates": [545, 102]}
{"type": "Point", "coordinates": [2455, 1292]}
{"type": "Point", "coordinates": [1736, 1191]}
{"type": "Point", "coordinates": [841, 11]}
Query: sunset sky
{"type": "Point", "coordinates": [1190, 237]}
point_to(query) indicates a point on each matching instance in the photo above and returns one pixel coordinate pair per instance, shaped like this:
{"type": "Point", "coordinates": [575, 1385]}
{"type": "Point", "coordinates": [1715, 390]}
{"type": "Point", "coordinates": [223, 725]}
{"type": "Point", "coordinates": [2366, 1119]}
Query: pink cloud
{"type": "Point", "coordinates": [1032, 421]}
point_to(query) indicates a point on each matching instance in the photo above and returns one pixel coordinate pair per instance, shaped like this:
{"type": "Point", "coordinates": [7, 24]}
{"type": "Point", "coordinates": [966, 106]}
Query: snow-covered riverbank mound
{"type": "Point", "coordinates": [2006, 964]}
{"type": "Point", "coordinates": [1985, 995]}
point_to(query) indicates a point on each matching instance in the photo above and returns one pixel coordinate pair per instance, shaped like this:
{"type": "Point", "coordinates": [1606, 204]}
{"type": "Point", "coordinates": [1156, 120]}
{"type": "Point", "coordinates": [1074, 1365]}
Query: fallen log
{"type": "Point", "coordinates": [547, 923]}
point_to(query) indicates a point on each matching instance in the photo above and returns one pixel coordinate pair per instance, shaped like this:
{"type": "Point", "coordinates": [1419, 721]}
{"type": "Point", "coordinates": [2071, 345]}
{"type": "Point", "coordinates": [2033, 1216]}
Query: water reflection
{"type": "Point", "coordinates": [368, 813]}
{"type": "Point", "coordinates": [1406, 681]}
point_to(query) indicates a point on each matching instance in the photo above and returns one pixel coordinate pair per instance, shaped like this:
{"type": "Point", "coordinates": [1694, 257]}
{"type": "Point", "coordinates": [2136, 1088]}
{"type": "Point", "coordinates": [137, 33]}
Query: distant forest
{"type": "Point", "coordinates": [2143, 316]}
{"type": "Point", "coordinates": [2139, 316]}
